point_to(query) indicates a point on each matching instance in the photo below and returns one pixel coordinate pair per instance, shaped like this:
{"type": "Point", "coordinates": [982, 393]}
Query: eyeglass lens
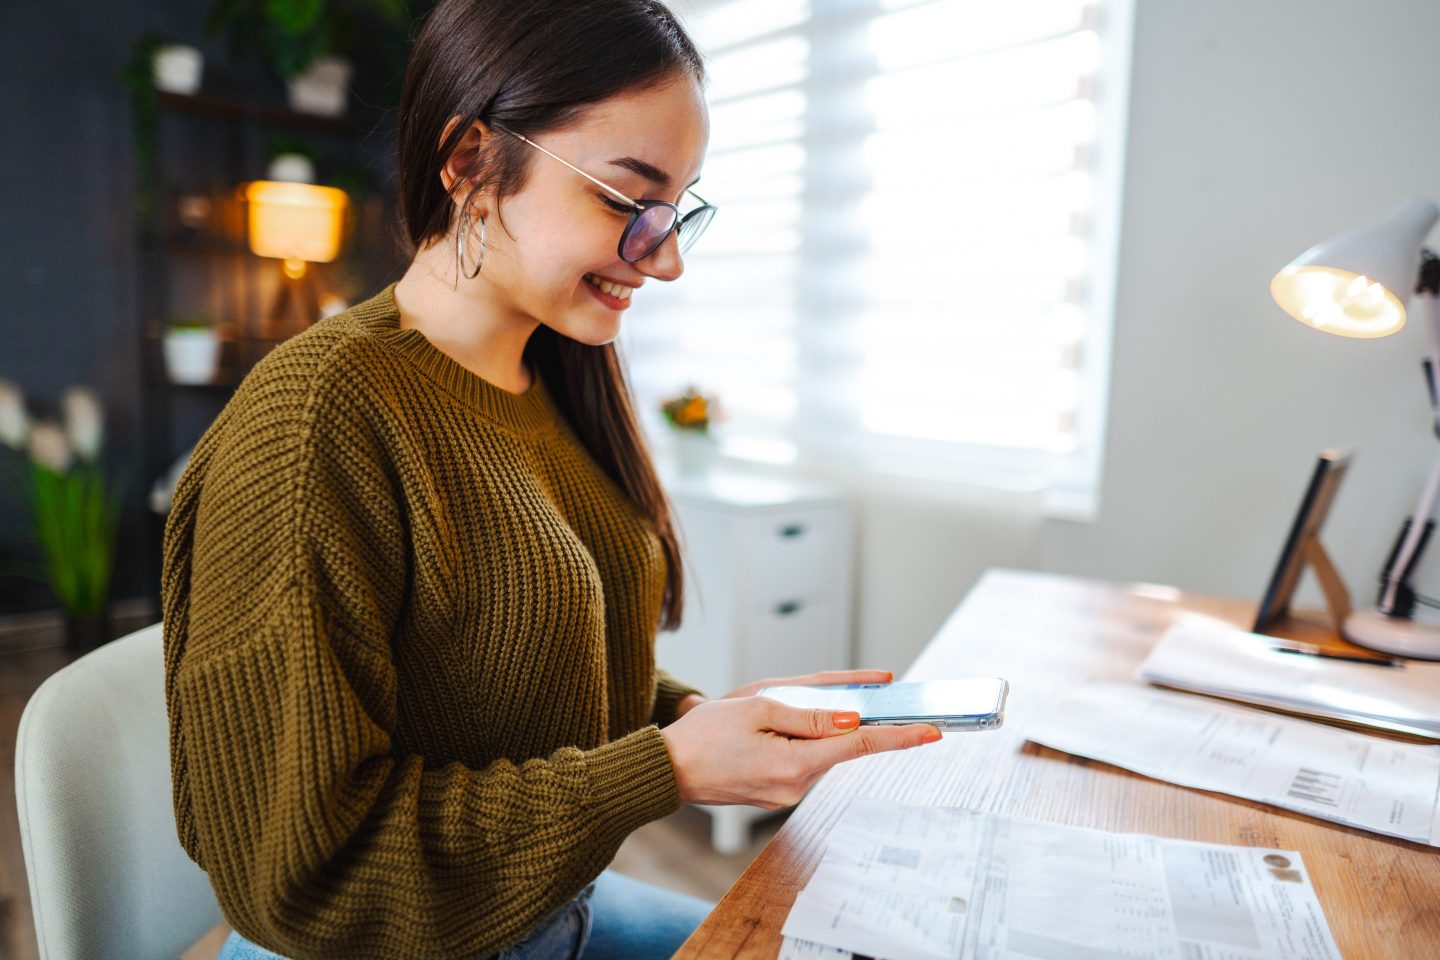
{"type": "Point", "coordinates": [651, 227]}
{"type": "Point", "coordinates": [694, 224]}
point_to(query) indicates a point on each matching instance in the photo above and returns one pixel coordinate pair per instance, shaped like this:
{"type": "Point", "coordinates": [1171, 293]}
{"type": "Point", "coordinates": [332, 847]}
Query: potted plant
{"type": "Point", "coordinates": [689, 416]}
{"type": "Point", "coordinates": [192, 349]}
{"type": "Point", "coordinates": [177, 67]}
{"type": "Point", "coordinates": [74, 511]}
{"type": "Point", "coordinates": [289, 159]}
{"type": "Point", "coordinates": [307, 42]}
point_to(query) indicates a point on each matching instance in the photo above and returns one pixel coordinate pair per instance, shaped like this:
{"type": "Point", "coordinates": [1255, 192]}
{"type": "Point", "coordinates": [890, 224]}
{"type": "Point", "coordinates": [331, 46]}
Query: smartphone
{"type": "Point", "coordinates": [972, 704]}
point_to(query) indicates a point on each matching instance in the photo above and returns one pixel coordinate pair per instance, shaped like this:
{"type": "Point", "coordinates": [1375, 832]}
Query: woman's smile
{"type": "Point", "coordinates": [612, 294]}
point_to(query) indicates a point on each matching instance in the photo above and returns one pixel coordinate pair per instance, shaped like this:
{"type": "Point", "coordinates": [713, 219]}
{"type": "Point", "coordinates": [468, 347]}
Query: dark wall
{"type": "Point", "coordinates": [69, 257]}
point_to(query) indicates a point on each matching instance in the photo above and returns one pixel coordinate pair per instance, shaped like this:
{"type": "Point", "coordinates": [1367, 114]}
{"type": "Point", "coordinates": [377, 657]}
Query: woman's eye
{"type": "Point", "coordinates": [614, 205]}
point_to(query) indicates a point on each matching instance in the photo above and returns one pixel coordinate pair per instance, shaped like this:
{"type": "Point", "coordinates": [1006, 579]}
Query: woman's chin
{"type": "Point", "coordinates": [591, 332]}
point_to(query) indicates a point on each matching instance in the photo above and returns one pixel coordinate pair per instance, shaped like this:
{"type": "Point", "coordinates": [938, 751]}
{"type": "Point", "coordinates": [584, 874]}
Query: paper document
{"type": "Point", "coordinates": [940, 883]}
{"type": "Point", "coordinates": [1352, 778]}
{"type": "Point", "coordinates": [1208, 656]}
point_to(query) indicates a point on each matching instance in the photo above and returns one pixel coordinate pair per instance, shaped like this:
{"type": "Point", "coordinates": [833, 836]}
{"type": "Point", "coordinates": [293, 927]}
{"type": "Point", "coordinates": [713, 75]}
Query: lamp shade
{"type": "Point", "coordinates": [1357, 284]}
{"type": "Point", "coordinates": [295, 221]}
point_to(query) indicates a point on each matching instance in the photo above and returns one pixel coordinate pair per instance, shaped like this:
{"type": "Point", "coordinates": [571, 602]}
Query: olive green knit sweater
{"type": "Point", "coordinates": [409, 653]}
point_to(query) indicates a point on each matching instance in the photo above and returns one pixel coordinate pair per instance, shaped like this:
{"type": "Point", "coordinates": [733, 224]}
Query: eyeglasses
{"type": "Point", "coordinates": [650, 220]}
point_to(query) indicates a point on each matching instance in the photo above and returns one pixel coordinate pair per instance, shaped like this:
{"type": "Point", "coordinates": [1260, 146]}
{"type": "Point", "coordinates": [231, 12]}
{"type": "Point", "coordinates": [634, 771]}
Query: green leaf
{"type": "Point", "coordinates": [294, 18]}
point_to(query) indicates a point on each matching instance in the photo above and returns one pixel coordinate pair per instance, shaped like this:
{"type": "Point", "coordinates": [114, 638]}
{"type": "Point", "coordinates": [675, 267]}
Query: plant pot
{"type": "Point", "coordinates": [694, 452]}
{"type": "Point", "coordinates": [191, 356]}
{"type": "Point", "coordinates": [86, 631]}
{"type": "Point", "coordinates": [323, 89]}
{"type": "Point", "coordinates": [177, 69]}
{"type": "Point", "coordinates": [292, 167]}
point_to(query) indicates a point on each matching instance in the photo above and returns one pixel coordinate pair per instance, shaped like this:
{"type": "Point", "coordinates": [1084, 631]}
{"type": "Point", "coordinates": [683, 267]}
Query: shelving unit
{"type": "Point", "coordinates": [194, 258]}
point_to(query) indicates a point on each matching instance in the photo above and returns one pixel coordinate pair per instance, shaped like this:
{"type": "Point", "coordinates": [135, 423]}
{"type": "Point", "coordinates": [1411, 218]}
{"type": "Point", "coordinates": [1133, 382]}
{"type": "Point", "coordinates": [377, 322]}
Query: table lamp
{"type": "Point", "coordinates": [1357, 285]}
{"type": "Point", "coordinates": [300, 224]}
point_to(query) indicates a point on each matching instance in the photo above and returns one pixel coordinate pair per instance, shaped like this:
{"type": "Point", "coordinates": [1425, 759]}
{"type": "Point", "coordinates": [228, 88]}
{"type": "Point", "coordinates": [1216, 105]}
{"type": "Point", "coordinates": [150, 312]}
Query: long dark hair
{"type": "Point", "coordinates": [532, 66]}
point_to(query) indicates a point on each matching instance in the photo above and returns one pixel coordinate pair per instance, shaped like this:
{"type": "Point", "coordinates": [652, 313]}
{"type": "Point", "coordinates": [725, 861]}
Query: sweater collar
{"type": "Point", "coordinates": [531, 412]}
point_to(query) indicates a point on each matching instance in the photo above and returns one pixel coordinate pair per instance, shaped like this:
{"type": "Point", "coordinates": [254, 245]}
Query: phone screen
{"type": "Point", "coordinates": [973, 699]}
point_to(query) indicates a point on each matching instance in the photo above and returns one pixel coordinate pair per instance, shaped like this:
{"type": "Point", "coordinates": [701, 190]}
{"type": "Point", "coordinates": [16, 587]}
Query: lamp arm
{"type": "Point", "coordinates": [1396, 598]}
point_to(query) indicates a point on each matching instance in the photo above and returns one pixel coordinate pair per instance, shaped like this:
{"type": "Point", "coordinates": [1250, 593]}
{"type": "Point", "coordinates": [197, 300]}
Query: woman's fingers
{"type": "Point", "coordinates": [807, 723]}
{"type": "Point", "coordinates": [830, 677]}
{"type": "Point", "coordinates": [814, 679]}
{"type": "Point", "coordinates": [817, 756]}
{"type": "Point", "coordinates": [728, 751]}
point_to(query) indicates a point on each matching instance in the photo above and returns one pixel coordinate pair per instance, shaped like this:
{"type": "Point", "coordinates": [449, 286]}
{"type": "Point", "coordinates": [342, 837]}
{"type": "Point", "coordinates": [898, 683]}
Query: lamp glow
{"type": "Point", "coordinates": [1357, 284]}
{"type": "Point", "coordinates": [1337, 301]}
{"type": "Point", "coordinates": [296, 222]}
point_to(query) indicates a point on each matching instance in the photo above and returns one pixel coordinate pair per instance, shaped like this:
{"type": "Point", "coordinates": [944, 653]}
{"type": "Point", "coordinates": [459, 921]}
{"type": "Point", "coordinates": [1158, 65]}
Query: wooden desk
{"type": "Point", "coordinates": [1048, 634]}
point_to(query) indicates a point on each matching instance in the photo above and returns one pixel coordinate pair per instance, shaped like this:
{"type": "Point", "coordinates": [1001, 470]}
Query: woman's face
{"type": "Point", "coordinates": [564, 232]}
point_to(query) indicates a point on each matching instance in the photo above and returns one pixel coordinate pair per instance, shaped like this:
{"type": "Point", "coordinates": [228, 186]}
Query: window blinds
{"type": "Point", "coordinates": [910, 268]}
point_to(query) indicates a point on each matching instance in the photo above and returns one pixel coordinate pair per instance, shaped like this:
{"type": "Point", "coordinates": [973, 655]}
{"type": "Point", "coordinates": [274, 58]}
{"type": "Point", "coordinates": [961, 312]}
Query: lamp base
{"type": "Point", "coordinates": [1417, 636]}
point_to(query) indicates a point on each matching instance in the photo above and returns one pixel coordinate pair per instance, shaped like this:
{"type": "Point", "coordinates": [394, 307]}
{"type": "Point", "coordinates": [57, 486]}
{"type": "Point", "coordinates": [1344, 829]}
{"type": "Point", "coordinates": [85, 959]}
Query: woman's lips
{"type": "Point", "coordinates": [608, 299]}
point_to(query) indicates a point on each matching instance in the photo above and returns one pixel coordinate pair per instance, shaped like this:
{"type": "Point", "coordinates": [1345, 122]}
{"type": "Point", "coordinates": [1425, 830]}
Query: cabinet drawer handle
{"type": "Point", "coordinates": [787, 608]}
{"type": "Point", "coordinates": [792, 530]}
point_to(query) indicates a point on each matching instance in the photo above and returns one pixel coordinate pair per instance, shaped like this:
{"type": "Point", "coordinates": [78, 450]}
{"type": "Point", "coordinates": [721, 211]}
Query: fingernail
{"type": "Point", "coordinates": [889, 676]}
{"type": "Point", "coordinates": [845, 719]}
{"type": "Point", "coordinates": [931, 736]}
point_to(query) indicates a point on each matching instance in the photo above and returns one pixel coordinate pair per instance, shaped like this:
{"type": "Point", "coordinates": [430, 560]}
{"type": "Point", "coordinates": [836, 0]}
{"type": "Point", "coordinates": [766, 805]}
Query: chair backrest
{"type": "Point", "coordinates": [108, 877]}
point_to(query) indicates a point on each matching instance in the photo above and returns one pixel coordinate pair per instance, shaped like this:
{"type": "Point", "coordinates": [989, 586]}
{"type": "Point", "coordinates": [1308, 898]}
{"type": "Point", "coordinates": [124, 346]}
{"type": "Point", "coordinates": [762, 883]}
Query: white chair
{"type": "Point", "coordinates": [108, 877]}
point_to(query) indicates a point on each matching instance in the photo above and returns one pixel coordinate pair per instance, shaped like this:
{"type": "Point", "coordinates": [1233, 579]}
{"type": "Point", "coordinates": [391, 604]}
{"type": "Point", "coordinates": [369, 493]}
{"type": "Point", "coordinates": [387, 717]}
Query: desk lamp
{"type": "Point", "coordinates": [1357, 285]}
{"type": "Point", "coordinates": [300, 224]}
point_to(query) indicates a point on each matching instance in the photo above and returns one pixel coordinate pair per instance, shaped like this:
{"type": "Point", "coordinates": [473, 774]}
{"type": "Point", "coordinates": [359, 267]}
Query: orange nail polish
{"type": "Point", "coordinates": [931, 736]}
{"type": "Point", "coordinates": [845, 719]}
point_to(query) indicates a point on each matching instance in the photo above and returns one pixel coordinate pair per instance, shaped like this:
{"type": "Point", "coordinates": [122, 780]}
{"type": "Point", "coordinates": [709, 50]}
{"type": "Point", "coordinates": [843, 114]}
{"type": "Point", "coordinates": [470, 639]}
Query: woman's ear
{"type": "Point", "coordinates": [462, 164]}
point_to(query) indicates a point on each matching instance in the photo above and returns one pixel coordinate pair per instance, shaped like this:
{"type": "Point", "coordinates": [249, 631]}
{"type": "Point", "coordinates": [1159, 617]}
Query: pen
{"type": "Point", "coordinates": [1317, 652]}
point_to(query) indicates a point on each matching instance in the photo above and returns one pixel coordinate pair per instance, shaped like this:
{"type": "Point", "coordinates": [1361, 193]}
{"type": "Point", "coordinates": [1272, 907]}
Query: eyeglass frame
{"type": "Point", "coordinates": [638, 206]}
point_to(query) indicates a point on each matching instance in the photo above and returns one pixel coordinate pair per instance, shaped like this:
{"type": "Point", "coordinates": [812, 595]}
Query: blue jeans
{"type": "Point", "coordinates": [614, 918]}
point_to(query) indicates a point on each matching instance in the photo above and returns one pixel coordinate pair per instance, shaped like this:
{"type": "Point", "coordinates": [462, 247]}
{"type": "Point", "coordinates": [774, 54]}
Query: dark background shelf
{"type": "Point", "coordinates": [82, 286]}
{"type": "Point", "coordinates": [207, 147]}
{"type": "Point", "coordinates": [257, 114]}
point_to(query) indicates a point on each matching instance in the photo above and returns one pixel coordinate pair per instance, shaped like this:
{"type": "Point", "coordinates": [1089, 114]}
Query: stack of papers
{"type": "Point", "coordinates": [1208, 656]}
{"type": "Point", "coordinates": [934, 883]}
{"type": "Point", "coordinates": [1351, 778]}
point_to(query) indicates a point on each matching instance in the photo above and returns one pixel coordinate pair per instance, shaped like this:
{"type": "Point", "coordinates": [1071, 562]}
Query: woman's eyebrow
{"type": "Point", "coordinates": [647, 170]}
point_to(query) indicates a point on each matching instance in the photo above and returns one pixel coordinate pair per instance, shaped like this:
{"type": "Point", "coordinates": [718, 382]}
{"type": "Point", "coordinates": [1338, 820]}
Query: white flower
{"type": "Point", "coordinates": [84, 421]}
{"type": "Point", "coordinates": [50, 448]}
{"type": "Point", "coordinates": [14, 422]}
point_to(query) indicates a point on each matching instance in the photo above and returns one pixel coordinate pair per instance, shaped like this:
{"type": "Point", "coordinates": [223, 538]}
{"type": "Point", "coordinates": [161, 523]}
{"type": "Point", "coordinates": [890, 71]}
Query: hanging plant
{"type": "Point", "coordinates": [292, 34]}
{"type": "Point", "coordinates": [139, 76]}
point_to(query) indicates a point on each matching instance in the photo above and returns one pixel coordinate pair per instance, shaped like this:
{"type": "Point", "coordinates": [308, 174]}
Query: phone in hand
{"type": "Point", "coordinates": [951, 705]}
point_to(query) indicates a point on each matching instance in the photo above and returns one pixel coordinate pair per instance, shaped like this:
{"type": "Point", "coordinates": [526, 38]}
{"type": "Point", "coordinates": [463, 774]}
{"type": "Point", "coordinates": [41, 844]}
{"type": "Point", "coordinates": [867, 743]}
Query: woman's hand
{"type": "Point", "coordinates": [693, 700]}
{"type": "Point", "coordinates": [758, 751]}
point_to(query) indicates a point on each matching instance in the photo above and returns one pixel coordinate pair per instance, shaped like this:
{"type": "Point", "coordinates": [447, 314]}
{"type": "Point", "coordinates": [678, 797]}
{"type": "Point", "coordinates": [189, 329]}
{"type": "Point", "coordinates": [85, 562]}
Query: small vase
{"type": "Point", "coordinates": [293, 167]}
{"type": "Point", "coordinates": [191, 356]}
{"type": "Point", "coordinates": [177, 69]}
{"type": "Point", "coordinates": [322, 90]}
{"type": "Point", "coordinates": [694, 452]}
{"type": "Point", "coordinates": [86, 631]}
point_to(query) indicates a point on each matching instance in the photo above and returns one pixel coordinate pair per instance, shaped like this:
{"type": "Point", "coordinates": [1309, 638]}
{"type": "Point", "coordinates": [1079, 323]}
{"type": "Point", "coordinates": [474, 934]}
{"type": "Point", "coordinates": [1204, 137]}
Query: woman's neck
{"type": "Point", "coordinates": [464, 321]}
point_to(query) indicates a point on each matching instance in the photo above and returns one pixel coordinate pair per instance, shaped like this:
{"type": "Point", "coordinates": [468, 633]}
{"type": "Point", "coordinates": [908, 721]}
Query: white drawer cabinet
{"type": "Point", "coordinates": [767, 592]}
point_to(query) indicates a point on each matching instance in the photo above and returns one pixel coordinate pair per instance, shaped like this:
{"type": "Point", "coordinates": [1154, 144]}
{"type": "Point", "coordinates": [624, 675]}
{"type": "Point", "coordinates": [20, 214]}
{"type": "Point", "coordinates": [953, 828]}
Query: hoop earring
{"type": "Point", "coordinates": [463, 232]}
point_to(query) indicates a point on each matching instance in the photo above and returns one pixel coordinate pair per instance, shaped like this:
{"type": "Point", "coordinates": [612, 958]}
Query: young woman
{"type": "Point", "coordinates": [415, 568]}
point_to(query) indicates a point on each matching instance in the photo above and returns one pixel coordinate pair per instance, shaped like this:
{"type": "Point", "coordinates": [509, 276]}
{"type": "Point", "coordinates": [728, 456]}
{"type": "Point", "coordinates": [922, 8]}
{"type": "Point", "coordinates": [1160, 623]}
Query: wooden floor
{"type": "Point", "coordinates": [673, 853]}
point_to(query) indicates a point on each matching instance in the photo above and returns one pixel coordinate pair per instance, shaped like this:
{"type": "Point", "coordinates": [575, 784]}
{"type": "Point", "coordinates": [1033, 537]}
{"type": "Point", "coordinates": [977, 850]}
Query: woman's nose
{"type": "Point", "coordinates": [665, 263]}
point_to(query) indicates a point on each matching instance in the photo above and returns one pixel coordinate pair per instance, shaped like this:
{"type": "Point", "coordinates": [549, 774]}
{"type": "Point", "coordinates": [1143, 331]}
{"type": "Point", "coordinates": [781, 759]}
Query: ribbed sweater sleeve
{"type": "Point", "coordinates": [322, 837]}
{"type": "Point", "coordinates": [668, 694]}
